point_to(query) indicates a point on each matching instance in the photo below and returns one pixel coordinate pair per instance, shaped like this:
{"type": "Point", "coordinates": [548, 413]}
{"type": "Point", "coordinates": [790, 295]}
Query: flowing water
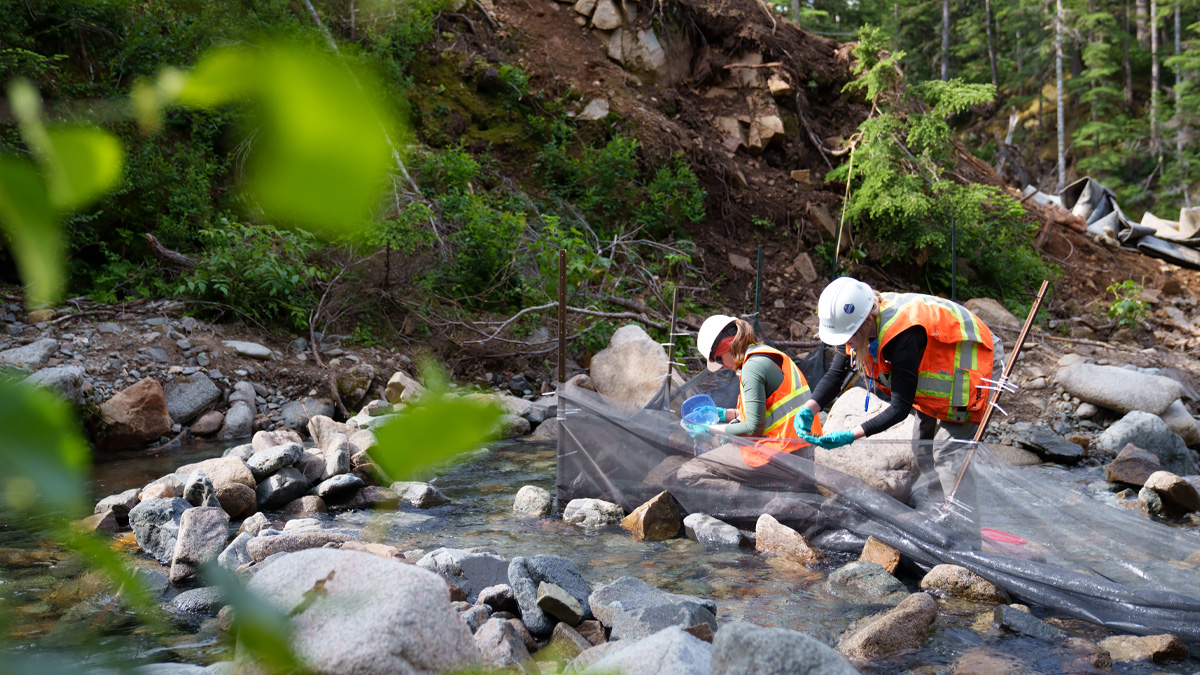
{"type": "Point", "coordinates": [49, 596]}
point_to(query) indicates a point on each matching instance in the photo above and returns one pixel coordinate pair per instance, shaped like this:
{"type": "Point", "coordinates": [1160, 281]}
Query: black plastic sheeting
{"type": "Point", "coordinates": [1173, 241]}
{"type": "Point", "coordinates": [1082, 558]}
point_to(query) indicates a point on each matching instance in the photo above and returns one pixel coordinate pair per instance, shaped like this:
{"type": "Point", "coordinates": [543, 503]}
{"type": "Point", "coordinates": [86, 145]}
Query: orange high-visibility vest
{"type": "Point", "coordinates": [778, 430]}
{"type": "Point", "coordinates": [958, 355]}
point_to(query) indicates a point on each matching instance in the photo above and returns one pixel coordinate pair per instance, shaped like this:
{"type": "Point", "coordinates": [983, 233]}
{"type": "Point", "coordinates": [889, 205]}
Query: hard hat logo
{"type": "Point", "coordinates": [849, 308]}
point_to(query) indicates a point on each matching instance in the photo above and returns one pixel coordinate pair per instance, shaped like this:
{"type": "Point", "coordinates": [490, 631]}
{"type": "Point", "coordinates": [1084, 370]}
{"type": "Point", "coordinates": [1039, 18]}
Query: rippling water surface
{"type": "Point", "coordinates": [48, 594]}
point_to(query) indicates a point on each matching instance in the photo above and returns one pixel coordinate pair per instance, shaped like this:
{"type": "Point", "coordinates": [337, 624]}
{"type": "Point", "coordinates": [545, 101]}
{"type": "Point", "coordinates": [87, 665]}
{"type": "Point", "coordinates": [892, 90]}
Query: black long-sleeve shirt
{"type": "Point", "coordinates": [904, 352]}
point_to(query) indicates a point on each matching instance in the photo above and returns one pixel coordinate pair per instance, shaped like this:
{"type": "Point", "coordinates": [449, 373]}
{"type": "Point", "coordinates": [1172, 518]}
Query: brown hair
{"type": "Point", "coordinates": [742, 341]}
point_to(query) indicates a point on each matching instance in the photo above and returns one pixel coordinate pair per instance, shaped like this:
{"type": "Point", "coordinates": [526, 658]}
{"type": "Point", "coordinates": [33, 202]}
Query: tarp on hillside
{"type": "Point", "coordinates": [1045, 543]}
{"type": "Point", "coordinates": [1176, 241]}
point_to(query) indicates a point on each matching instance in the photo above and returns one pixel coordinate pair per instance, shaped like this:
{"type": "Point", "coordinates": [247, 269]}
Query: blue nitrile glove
{"type": "Point", "coordinates": [836, 439]}
{"type": "Point", "coordinates": [694, 430]}
{"type": "Point", "coordinates": [810, 439]}
{"type": "Point", "coordinates": [804, 421]}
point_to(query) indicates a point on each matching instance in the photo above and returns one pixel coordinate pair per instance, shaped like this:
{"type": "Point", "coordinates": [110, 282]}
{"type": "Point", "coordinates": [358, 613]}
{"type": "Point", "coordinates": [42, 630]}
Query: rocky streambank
{"type": "Point", "coordinates": [151, 376]}
{"type": "Point", "coordinates": [360, 600]}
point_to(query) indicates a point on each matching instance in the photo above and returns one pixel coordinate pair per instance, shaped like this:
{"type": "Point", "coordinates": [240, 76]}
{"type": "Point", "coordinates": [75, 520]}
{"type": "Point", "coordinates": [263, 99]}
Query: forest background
{"type": "Point", "coordinates": [1042, 92]}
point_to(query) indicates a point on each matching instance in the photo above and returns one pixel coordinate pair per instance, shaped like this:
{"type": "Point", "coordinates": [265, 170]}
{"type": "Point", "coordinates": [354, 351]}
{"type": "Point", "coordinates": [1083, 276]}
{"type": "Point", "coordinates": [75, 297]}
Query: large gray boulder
{"type": "Point", "coordinates": [371, 615]}
{"type": "Point", "coordinates": [66, 381]}
{"type": "Point", "coordinates": [889, 468]}
{"type": "Point", "coordinates": [524, 575]}
{"type": "Point", "coordinates": [634, 609]}
{"type": "Point", "coordinates": [203, 532]}
{"type": "Point", "coordinates": [740, 648]}
{"type": "Point", "coordinates": [631, 368]}
{"type": "Point", "coordinates": [670, 651]}
{"type": "Point", "coordinates": [1148, 432]}
{"type": "Point", "coordinates": [155, 524]}
{"type": "Point", "coordinates": [32, 356]}
{"type": "Point", "coordinates": [864, 582]}
{"type": "Point", "coordinates": [189, 396]}
{"type": "Point", "coordinates": [1119, 389]}
{"type": "Point", "coordinates": [339, 489]}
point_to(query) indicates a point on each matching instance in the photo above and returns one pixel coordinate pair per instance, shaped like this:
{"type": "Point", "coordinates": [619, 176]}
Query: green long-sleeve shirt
{"type": "Point", "coordinates": [760, 377]}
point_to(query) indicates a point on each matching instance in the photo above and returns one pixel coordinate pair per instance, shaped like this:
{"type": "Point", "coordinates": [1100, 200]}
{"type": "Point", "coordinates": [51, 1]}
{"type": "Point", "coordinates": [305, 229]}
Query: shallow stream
{"type": "Point", "coordinates": [47, 595]}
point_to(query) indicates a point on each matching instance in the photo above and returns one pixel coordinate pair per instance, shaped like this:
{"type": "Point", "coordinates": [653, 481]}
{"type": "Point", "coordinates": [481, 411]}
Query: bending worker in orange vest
{"type": "Point", "coordinates": [772, 390]}
{"type": "Point", "coordinates": [923, 352]}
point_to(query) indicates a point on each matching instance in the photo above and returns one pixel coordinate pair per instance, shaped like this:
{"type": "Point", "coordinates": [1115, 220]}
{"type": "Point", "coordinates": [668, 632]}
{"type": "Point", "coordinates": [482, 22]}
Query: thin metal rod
{"type": "Point", "coordinates": [671, 344]}
{"type": "Point", "coordinates": [757, 285]}
{"type": "Point", "coordinates": [562, 315]}
{"type": "Point", "coordinates": [954, 259]}
{"type": "Point", "coordinates": [1008, 368]}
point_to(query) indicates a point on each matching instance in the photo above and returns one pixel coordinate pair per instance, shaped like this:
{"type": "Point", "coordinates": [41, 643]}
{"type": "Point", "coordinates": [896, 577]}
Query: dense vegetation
{"type": "Point", "coordinates": [496, 176]}
{"type": "Point", "coordinates": [1128, 70]}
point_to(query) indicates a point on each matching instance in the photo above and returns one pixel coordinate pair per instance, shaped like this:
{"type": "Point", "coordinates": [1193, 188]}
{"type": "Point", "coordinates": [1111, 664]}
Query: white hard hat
{"type": "Point", "coordinates": [710, 330]}
{"type": "Point", "coordinates": [844, 305]}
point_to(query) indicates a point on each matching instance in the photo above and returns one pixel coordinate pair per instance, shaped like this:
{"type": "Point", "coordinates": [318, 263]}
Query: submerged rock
{"type": "Point", "coordinates": [711, 532]}
{"type": "Point", "coordinates": [420, 495]}
{"type": "Point", "coordinates": [1160, 649]}
{"type": "Point", "coordinates": [1023, 623]}
{"type": "Point", "coordinates": [592, 513]}
{"type": "Point", "coordinates": [533, 501]}
{"type": "Point", "coordinates": [902, 627]}
{"type": "Point", "coordinates": [634, 609]}
{"type": "Point", "coordinates": [866, 582]}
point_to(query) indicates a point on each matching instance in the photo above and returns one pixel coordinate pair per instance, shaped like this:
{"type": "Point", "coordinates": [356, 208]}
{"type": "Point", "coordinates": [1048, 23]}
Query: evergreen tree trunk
{"type": "Point", "coordinates": [1127, 63]}
{"type": "Point", "coordinates": [1155, 140]}
{"type": "Point", "coordinates": [945, 40]}
{"type": "Point", "coordinates": [991, 45]}
{"type": "Point", "coordinates": [1140, 21]}
{"type": "Point", "coordinates": [1058, 81]}
{"type": "Point", "coordinates": [1181, 128]}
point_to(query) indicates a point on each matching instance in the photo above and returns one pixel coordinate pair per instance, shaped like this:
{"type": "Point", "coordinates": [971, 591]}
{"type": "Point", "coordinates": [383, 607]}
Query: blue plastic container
{"type": "Point", "coordinates": [699, 410]}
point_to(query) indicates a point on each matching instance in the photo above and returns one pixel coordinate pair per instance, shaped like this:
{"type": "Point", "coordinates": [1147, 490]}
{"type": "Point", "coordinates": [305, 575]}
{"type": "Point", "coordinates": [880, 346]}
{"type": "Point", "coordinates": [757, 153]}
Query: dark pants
{"type": "Point", "coordinates": [940, 463]}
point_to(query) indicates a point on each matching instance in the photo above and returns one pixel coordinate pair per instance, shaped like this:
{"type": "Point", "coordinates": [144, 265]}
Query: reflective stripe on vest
{"type": "Point", "coordinates": [782, 406]}
{"type": "Point", "coordinates": [958, 343]}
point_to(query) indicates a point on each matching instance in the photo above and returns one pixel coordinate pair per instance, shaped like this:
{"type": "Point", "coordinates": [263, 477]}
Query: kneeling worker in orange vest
{"type": "Point", "coordinates": [772, 390]}
{"type": "Point", "coordinates": [922, 351]}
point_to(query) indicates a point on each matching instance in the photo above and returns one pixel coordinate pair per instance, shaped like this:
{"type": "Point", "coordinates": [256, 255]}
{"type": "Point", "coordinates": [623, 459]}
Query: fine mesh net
{"type": "Point", "coordinates": [1040, 540]}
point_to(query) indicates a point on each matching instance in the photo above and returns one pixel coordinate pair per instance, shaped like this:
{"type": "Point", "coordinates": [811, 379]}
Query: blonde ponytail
{"type": "Point", "coordinates": [742, 341]}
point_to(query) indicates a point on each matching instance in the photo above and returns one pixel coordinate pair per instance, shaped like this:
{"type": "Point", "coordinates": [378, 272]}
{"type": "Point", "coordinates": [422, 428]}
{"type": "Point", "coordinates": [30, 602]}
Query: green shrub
{"type": "Point", "coordinates": [258, 270]}
{"type": "Point", "coordinates": [1127, 307]}
{"type": "Point", "coordinates": [903, 197]}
